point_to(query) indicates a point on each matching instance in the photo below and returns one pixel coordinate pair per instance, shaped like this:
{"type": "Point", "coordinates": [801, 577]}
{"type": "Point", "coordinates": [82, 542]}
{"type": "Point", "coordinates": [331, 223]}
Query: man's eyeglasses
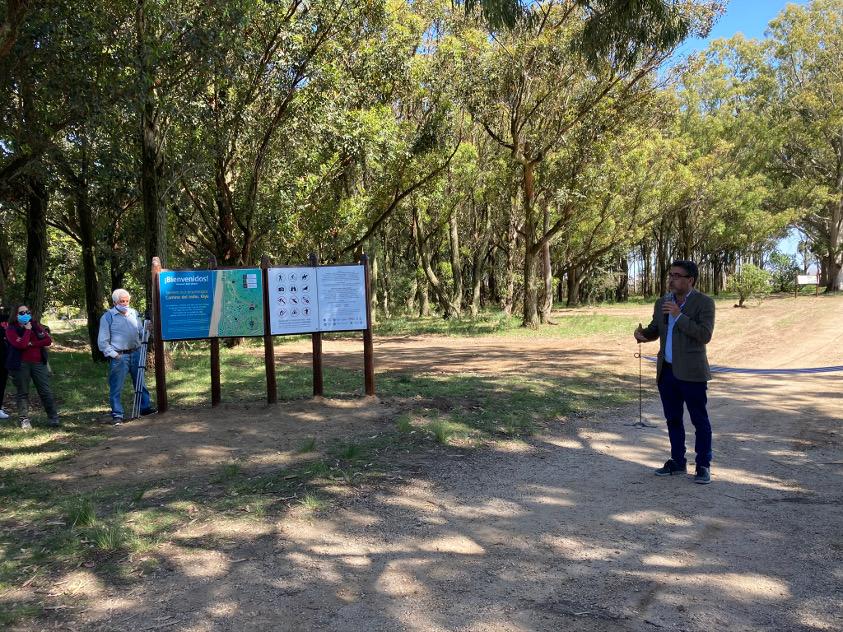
{"type": "Point", "coordinates": [24, 313]}
{"type": "Point", "coordinates": [673, 275]}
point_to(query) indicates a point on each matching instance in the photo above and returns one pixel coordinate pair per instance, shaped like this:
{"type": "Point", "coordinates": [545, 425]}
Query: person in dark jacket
{"type": "Point", "coordinates": [26, 359]}
{"type": "Point", "coordinates": [4, 372]}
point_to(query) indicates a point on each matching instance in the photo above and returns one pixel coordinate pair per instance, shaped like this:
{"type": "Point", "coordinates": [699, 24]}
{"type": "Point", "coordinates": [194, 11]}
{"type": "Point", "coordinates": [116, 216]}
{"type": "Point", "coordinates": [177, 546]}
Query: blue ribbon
{"type": "Point", "coordinates": [727, 369]}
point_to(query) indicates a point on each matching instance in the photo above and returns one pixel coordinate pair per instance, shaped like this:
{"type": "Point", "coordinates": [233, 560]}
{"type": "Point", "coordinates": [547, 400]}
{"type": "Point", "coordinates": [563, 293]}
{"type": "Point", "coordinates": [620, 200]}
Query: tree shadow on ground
{"type": "Point", "coordinates": [567, 529]}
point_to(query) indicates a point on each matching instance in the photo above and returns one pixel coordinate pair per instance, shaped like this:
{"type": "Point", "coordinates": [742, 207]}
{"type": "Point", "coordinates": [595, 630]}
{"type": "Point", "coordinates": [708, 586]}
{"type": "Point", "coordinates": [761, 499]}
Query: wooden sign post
{"type": "Point", "coordinates": [268, 346]}
{"type": "Point", "coordinates": [368, 346]}
{"type": "Point", "coordinates": [316, 339]}
{"type": "Point", "coordinates": [158, 341]}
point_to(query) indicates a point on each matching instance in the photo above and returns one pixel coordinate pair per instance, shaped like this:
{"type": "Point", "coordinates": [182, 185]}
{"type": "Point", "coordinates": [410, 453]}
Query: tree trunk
{"type": "Point", "coordinates": [456, 261]}
{"type": "Point", "coordinates": [7, 272]}
{"type": "Point", "coordinates": [547, 275]}
{"type": "Point", "coordinates": [36, 245]}
{"type": "Point", "coordinates": [93, 301]}
{"type": "Point", "coordinates": [574, 281]}
{"type": "Point", "coordinates": [385, 272]}
{"type": "Point", "coordinates": [479, 256]}
{"type": "Point", "coordinates": [374, 257]}
{"type": "Point", "coordinates": [834, 265]}
{"type": "Point", "coordinates": [531, 252]}
{"type": "Point", "coordinates": [152, 160]}
{"type": "Point", "coordinates": [508, 298]}
{"type": "Point", "coordinates": [622, 291]}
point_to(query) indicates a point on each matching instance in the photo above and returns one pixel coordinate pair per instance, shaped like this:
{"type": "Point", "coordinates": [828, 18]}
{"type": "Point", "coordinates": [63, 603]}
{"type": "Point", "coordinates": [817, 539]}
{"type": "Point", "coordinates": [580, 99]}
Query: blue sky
{"type": "Point", "coordinates": [749, 17]}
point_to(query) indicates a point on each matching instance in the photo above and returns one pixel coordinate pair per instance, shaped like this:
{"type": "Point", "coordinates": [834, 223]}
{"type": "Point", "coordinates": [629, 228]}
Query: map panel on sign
{"type": "Point", "coordinates": [238, 308]}
{"type": "Point", "coordinates": [292, 300]}
{"type": "Point", "coordinates": [342, 298]}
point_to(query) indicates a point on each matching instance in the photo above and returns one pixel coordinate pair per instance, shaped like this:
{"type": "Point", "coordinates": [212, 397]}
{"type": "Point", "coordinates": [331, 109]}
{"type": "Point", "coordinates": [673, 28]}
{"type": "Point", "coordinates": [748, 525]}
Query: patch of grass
{"type": "Point", "coordinates": [312, 502]}
{"type": "Point", "coordinates": [308, 445]}
{"type": "Point", "coordinates": [441, 431]}
{"type": "Point", "coordinates": [81, 512]}
{"type": "Point", "coordinates": [11, 613]}
{"type": "Point", "coordinates": [404, 424]}
{"type": "Point", "coordinates": [110, 537]}
{"type": "Point", "coordinates": [350, 451]}
{"type": "Point", "coordinates": [226, 474]}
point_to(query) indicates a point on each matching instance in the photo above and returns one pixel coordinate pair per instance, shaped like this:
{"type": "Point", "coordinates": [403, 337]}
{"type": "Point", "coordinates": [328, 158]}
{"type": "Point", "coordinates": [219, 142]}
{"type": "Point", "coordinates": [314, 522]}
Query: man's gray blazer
{"type": "Point", "coordinates": [691, 333]}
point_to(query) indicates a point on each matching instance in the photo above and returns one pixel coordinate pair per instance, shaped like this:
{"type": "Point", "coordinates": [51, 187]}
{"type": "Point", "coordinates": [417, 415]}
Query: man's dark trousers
{"type": "Point", "coordinates": [675, 393]}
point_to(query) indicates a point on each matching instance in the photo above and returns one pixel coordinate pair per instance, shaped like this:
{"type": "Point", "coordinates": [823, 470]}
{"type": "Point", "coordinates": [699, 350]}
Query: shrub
{"type": "Point", "coordinates": [750, 282]}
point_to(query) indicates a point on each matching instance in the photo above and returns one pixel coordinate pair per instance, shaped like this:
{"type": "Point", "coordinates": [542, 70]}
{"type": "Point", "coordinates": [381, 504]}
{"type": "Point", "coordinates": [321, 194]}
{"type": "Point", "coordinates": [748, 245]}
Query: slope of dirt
{"type": "Point", "coordinates": [566, 531]}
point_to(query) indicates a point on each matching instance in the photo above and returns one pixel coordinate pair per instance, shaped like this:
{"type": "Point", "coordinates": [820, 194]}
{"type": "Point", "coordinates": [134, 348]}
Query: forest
{"type": "Point", "coordinates": [503, 154]}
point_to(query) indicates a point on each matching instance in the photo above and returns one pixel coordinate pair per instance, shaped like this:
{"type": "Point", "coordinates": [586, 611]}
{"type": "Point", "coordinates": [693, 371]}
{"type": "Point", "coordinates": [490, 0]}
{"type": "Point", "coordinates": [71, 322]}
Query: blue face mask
{"type": "Point", "coordinates": [24, 318]}
{"type": "Point", "coordinates": [122, 308]}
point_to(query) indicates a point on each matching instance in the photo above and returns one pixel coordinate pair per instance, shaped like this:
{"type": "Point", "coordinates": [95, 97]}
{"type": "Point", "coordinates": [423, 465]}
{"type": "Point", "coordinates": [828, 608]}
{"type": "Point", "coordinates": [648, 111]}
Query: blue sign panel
{"type": "Point", "coordinates": [211, 303]}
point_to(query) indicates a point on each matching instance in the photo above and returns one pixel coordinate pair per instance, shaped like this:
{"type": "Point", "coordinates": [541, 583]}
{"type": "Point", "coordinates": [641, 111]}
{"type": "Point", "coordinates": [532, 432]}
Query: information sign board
{"type": "Point", "coordinates": [292, 300]}
{"type": "Point", "coordinates": [342, 298]}
{"type": "Point", "coordinates": [309, 300]}
{"type": "Point", "coordinates": [211, 303]}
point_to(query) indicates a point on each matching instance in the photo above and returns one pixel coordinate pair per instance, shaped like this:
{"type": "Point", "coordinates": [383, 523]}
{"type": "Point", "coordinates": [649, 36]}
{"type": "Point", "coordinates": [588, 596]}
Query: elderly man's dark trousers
{"type": "Point", "coordinates": [675, 395]}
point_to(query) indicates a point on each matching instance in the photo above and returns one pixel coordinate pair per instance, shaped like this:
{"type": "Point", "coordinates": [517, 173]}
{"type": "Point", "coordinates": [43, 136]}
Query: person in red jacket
{"type": "Point", "coordinates": [26, 358]}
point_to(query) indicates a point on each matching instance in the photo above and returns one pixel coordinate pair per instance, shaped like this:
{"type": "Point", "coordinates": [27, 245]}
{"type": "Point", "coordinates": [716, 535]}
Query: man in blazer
{"type": "Point", "coordinates": [683, 322]}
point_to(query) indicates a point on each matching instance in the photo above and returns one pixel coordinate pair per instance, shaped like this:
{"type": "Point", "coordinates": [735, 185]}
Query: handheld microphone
{"type": "Point", "coordinates": [668, 297]}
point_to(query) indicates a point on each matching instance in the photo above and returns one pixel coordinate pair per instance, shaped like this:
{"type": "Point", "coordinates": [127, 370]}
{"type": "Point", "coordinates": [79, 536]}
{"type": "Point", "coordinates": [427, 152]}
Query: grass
{"type": "Point", "coordinates": [45, 533]}
{"type": "Point", "coordinates": [312, 502]}
{"type": "Point", "coordinates": [308, 445]}
{"type": "Point", "coordinates": [81, 512]}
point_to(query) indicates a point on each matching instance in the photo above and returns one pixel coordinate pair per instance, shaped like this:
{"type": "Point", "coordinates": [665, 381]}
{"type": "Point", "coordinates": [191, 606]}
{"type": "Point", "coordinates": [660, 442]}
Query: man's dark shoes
{"type": "Point", "coordinates": [670, 468]}
{"type": "Point", "coordinates": [703, 475]}
{"type": "Point", "coordinates": [148, 411]}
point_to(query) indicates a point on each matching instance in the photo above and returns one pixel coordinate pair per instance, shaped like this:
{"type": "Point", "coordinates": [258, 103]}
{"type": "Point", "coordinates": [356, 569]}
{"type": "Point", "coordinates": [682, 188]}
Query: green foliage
{"type": "Point", "coordinates": [81, 512]}
{"type": "Point", "coordinates": [784, 271]}
{"type": "Point", "coordinates": [750, 282]}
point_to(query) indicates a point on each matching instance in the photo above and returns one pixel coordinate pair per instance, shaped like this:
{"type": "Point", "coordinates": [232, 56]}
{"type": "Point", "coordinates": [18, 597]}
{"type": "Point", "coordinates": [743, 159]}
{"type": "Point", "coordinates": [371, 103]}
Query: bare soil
{"type": "Point", "coordinates": [568, 530]}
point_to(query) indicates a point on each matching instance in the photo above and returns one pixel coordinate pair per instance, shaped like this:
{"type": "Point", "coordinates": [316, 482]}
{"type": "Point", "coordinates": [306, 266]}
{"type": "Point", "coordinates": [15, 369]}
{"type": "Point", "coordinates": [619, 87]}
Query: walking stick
{"type": "Point", "coordinates": [141, 371]}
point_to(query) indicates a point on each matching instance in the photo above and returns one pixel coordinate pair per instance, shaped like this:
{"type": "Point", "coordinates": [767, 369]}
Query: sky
{"type": "Point", "coordinates": [751, 18]}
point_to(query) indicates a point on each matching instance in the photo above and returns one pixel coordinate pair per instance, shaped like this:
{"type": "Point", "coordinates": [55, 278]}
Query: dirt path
{"type": "Point", "coordinates": [567, 531]}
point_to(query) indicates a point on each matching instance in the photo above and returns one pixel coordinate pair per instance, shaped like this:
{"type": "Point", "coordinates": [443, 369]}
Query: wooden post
{"type": "Point", "coordinates": [368, 347]}
{"type": "Point", "coordinates": [158, 342]}
{"type": "Point", "coordinates": [216, 391]}
{"type": "Point", "coordinates": [316, 338]}
{"type": "Point", "coordinates": [268, 345]}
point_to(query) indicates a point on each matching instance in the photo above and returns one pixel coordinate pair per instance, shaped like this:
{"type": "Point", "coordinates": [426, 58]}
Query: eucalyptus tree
{"type": "Point", "coordinates": [805, 58]}
{"type": "Point", "coordinates": [534, 85]}
{"type": "Point", "coordinates": [46, 49]}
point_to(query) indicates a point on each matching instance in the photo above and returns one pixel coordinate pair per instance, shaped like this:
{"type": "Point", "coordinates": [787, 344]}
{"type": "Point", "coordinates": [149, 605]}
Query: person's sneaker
{"type": "Point", "coordinates": [116, 421]}
{"type": "Point", "coordinates": [670, 468]}
{"type": "Point", "coordinates": [25, 424]}
{"type": "Point", "coordinates": [3, 414]}
{"type": "Point", "coordinates": [703, 475]}
{"type": "Point", "coordinates": [54, 422]}
{"type": "Point", "coordinates": [148, 411]}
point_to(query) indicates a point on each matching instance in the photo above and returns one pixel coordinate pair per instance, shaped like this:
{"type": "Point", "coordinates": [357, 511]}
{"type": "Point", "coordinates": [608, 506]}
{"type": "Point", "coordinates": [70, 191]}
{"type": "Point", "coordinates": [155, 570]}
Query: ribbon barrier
{"type": "Point", "coordinates": [726, 369]}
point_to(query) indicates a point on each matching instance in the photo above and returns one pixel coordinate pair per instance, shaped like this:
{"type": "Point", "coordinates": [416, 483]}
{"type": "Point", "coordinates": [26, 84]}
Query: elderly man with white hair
{"type": "Point", "coordinates": [121, 332]}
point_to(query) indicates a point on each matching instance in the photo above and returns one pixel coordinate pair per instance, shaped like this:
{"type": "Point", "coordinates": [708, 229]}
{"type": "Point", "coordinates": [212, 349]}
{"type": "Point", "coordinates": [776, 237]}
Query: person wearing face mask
{"type": "Point", "coordinates": [4, 372]}
{"type": "Point", "coordinates": [26, 359]}
{"type": "Point", "coordinates": [120, 335]}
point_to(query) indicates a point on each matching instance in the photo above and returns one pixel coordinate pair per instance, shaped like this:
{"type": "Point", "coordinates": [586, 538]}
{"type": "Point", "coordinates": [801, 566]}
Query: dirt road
{"type": "Point", "coordinates": [568, 530]}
